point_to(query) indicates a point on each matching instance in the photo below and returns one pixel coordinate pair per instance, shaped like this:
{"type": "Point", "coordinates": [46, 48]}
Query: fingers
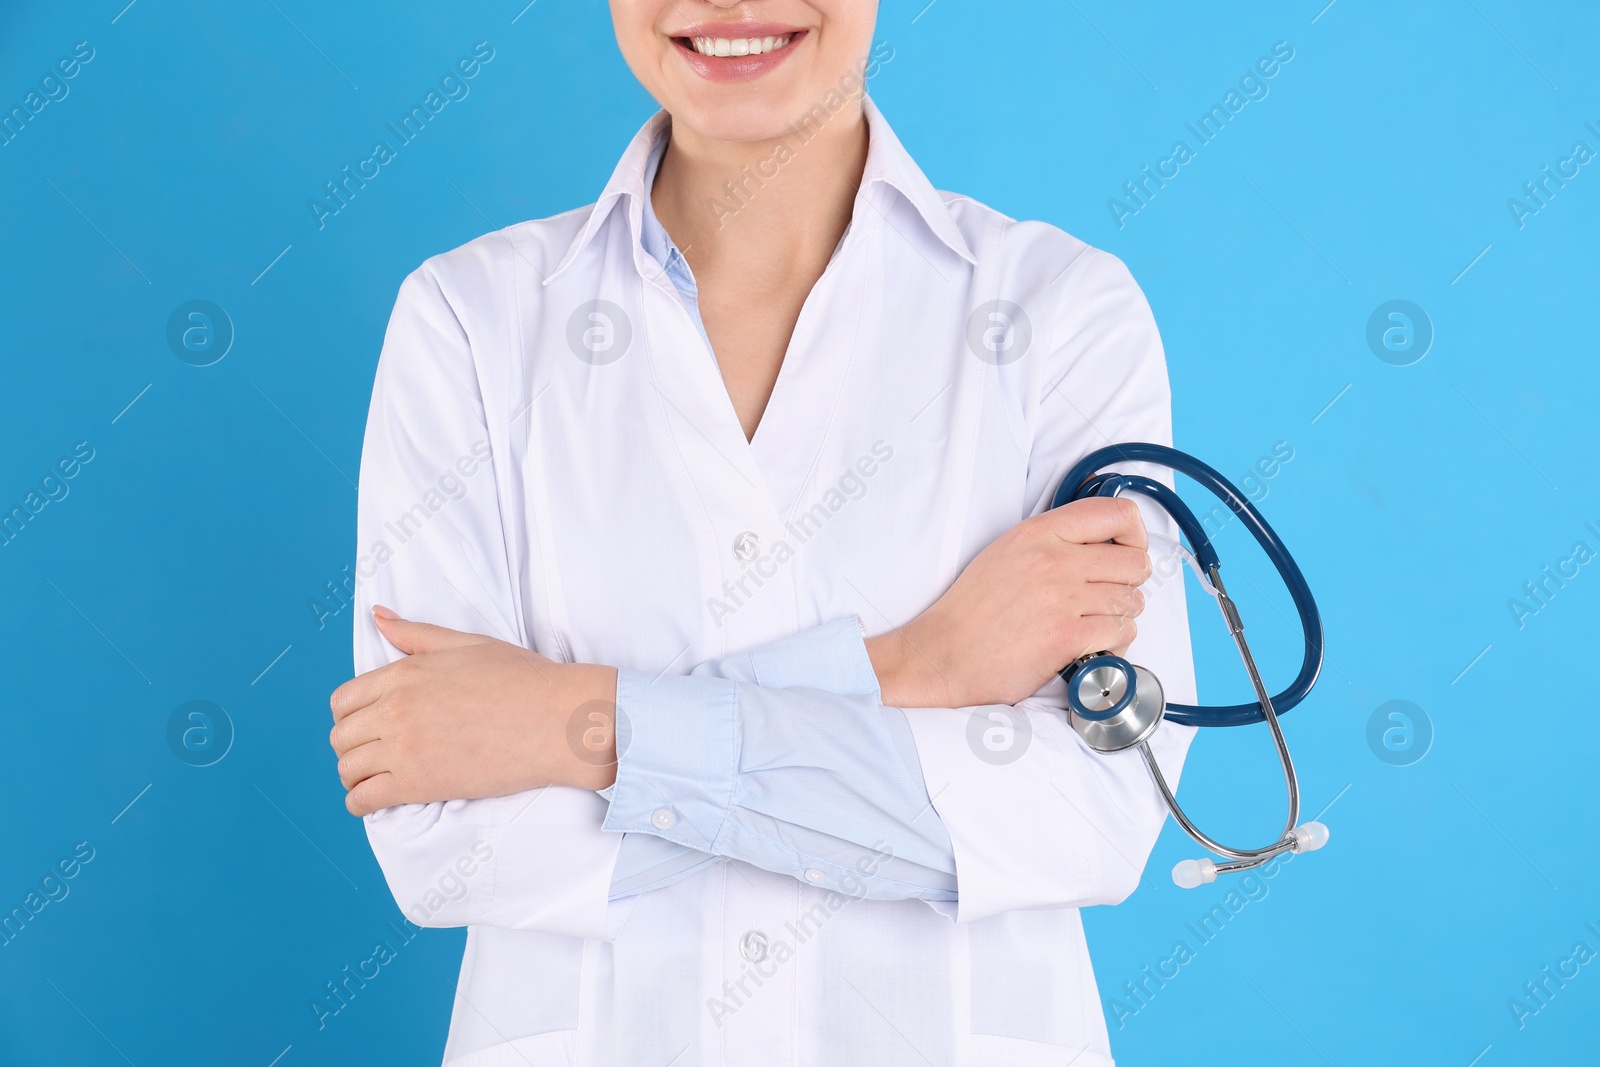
{"type": "Point", "coordinates": [413, 637]}
{"type": "Point", "coordinates": [1098, 518]}
{"type": "Point", "coordinates": [361, 763]}
{"type": "Point", "coordinates": [1108, 633]}
{"type": "Point", "coordinates": [361, 691]}
{"type": "Point", "coordinates": [1114, 599]}
{"type": "Point", "coordinates": [1108, 622]}
{"type": "Point", "coordinates": [372, 794]}
{"type": "Point", "coordinates": [354, 730]}
{"type": "Point", "coordinates": [409, 637]}
{"type": "Point", "coordinates": [1122, 564]}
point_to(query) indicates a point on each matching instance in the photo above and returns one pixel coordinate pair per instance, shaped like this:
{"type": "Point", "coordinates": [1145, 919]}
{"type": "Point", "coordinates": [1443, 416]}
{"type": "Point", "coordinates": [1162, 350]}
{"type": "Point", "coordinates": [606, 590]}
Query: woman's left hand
{"type": "Point", "coordinates": [465, 716]}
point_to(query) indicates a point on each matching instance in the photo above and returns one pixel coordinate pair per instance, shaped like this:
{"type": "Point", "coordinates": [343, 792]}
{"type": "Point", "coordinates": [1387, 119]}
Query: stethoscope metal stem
{"type": "Point", "coordinates": [1236, 626]}
{"type": "Point", "coordinates": [1245, 858]}
{"type": "Point", "coordinates": [1250, 857]}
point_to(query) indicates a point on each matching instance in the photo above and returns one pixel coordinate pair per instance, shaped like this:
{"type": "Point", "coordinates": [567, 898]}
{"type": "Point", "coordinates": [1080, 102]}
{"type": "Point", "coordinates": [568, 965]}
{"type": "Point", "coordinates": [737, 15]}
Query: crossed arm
{"type": "Point", "coordinates": [451, 738]}
{"type": "Point", "coordinates": [467, 715]}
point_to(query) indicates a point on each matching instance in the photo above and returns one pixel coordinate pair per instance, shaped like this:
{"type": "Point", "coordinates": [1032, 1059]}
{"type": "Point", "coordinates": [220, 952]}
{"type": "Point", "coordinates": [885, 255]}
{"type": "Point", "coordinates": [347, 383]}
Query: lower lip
{"type": "Point", "coordinates": [737, 68]}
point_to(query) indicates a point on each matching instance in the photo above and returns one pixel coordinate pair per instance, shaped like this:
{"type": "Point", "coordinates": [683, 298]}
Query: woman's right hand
{"type": "Point", "coordinates": [1049, 590]}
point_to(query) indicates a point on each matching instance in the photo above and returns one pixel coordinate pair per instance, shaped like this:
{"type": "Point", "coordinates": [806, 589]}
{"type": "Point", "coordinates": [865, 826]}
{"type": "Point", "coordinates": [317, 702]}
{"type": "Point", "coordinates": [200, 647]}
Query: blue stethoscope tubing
{"type": "Point", "coordinates": [1115, 705]}
{"type": "Point", "coordinates": [1078, 484]}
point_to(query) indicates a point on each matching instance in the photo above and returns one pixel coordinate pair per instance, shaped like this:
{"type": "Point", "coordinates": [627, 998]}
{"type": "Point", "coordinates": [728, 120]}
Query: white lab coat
{"type": "Point", "coordinates": [581, 486]}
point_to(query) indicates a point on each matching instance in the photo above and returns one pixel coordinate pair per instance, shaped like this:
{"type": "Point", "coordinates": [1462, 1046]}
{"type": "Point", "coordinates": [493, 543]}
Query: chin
{"type": "Point", "coordinates": [741, 113]}
{"type": "Point", "coordinates": [722, 105]}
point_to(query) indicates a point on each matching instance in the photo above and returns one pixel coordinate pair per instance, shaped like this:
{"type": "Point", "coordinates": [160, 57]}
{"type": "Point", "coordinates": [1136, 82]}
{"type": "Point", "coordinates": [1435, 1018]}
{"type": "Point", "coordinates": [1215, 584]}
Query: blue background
{"type": "Point", "coordinates": [219, 502]}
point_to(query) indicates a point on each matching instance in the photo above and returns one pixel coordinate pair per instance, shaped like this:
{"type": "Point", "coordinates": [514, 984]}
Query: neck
{"type": "Point", "coordinates": [764, 209]}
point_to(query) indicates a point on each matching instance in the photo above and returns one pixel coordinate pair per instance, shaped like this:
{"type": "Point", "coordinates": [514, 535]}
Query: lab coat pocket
{"type": "Point", "coordinates": [558, 1048]}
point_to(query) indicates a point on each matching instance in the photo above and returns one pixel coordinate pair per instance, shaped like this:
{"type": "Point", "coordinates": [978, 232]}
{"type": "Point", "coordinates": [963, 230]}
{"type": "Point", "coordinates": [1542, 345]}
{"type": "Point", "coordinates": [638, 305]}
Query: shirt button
{"type": "Point", "coordinates": [753, 946]}
{"type": "Point", "coordinates": [663, 819]}
{"type": "Point", "coordinates": [813, 875]}
{"type": "Point", "coordinates": [746, 547]}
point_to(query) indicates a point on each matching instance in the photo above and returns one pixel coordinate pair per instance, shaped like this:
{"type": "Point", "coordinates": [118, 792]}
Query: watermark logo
{"type": "Point", "coordinates": [760, 565]}
{"type": "Point", "coordinates": [599, 332]}
{"type": "Point", "coordinates": [1399, 333]}
{"type": "Point", "coordinates": [1139, 192]}
{"type": "Point", "coordinates": [1537, 193]}
{"type": "Point", "coordinates": [200, 333]}
{"type": "Point", "coordinates": [54, 87]}
{"type": "Point", "coordinates": [453, 87]}
{"type": "Point", "coordinates": [1139, 993]}
{"type": "Point", "coordinates": [52, 488]}
{"type": "Point", "coordinates": [450, 486]}
{"type": "Point", "coordinates": [52, 889]}
{"type": "Point", "coordinates": [452, 883]}
{"type": "Point", "coordinates": [1539, 991]}
{"type": "Point", "coordinates": [1537, 593]}
{"type": "Point", "coordinates": [999, 332]}
{"type": "Point", "coordinates": [1399, 733]}
{"type": "Point", "coordinates": [199, 733]}
{"type": "Point", "coordinates": [592, 733]}
{"type": "Point", "coordinates": [737, 193]}
{"type": "Point", "coordinates": [999, 735]}
{"type": "Point", "coordinates": [338, 994]}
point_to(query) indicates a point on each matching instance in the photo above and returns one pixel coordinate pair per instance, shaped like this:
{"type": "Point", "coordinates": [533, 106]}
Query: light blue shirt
{"type": "Point", "coordinates": [662, 249]}
{"type": "Point", "coordinates": [710, 766]}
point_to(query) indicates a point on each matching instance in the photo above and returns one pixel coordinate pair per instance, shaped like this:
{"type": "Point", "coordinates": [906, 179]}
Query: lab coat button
{"type": "Point", "coordinates": [746, 547]}
{"type": "Point", "coordinates": [753, 946]}
{"type": "Point", "coordinates": [663, 819]}
{"type": "Point", "coordinates": [813, 875]}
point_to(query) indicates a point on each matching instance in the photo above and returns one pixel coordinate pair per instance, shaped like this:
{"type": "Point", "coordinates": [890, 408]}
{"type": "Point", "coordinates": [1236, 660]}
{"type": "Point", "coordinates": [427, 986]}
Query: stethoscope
{"type": "Point", "coordinates": [1116, 705]}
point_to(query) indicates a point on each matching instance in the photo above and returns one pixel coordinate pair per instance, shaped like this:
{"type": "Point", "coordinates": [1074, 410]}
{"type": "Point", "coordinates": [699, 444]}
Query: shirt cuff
{"type": "Point", "coordinates": [831, 657]}
{"type": "Point", "coordinates": [677, 756]}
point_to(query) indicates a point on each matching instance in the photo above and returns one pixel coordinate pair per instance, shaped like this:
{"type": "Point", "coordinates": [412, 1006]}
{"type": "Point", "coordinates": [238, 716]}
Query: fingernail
{"type": "Point", "coordinates": [382, 612]}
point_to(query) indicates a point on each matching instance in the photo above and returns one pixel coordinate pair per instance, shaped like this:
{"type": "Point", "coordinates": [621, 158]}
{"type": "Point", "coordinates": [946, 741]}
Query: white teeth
{"type": "Point", "coordinates": [738, 46]}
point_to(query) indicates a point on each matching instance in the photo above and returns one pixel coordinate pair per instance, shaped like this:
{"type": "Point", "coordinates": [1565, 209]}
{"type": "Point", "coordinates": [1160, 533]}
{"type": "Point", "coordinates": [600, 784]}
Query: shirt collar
{"type": "Point", "coordinates": [887, 162]}
{"type": "Point", "coordinates": [652, 235]}
{"type": "Point", "coordinates": [890, 163]}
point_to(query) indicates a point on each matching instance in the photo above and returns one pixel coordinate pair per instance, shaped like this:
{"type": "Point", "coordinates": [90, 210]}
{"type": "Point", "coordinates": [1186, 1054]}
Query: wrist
{"type": "Point", "coordinates": [907, 677]}
{"type": "Point", "coordinates": [586, 712]}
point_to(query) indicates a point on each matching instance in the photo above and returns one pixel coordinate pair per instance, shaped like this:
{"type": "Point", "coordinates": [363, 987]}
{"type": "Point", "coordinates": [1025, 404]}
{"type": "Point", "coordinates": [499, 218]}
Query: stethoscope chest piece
{"type": "Point", "coordinates": [1112, 704]}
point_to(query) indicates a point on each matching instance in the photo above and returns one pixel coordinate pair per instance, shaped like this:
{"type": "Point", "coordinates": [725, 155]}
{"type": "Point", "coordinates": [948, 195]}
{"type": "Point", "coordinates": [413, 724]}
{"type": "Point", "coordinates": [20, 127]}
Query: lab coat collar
{"type": "Point", "coordinates": [890, 163]}
{"type": "Point", "coordinates": [887, 162]}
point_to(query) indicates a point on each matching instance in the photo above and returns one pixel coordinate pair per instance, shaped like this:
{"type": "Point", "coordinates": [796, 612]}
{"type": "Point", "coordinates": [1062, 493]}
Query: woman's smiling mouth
{"type": "Point", "coordinates": [714, 53]}
{"type": "Point", "coordinates": [738, 46]}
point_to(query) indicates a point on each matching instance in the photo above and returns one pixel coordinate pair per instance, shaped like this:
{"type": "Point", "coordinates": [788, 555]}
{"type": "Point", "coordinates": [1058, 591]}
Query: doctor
{"type": "Point", "coordinates": [713, 610]}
